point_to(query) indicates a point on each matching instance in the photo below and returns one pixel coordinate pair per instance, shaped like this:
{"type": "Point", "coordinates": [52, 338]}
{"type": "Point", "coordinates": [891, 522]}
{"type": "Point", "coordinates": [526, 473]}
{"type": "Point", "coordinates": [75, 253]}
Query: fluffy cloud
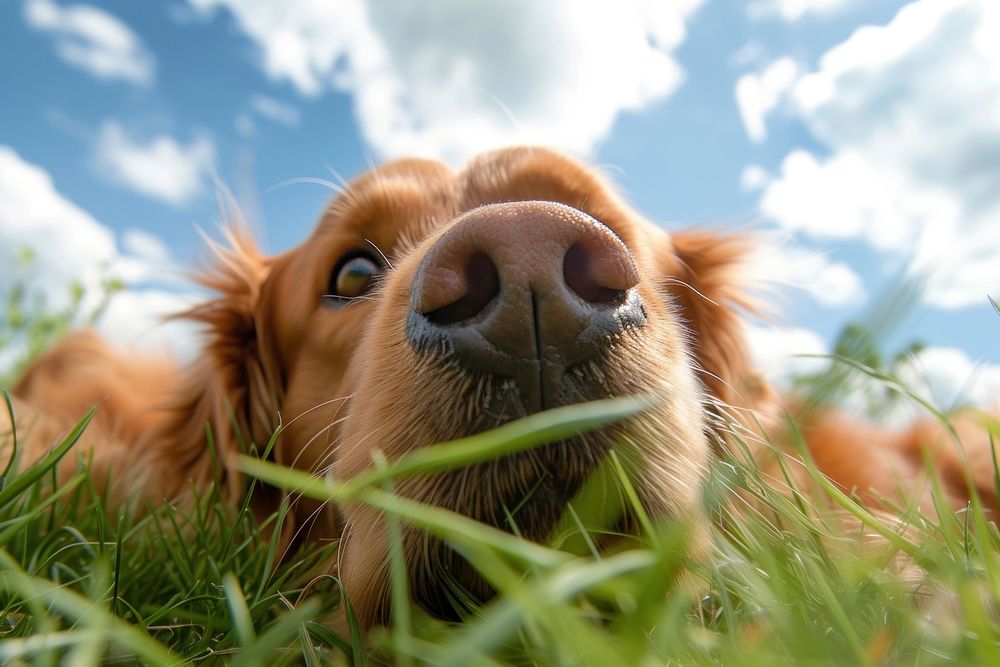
{"type": "Point", "coordinates": [272, 109]}
{"type": "Point", "coordinates": [139, 318]}
{"type": "Point", "coordinates": [146, 246]}
{"type": "Point", "coordinates": [452, 78]}
{"type": "Point", "coordinates": [783, 353]}
{"type": "Point", "coordinates": [93, 40]}
{"type": "Point", "coordinates": [160, 167]}
{"type": "Point", "coordinates": [70, 246]}
{"type": "Point", "coordinates": [32, 211]}
{"type": "Point", "coordinates": [753, 177]}
{"type": "Point", "coordinates": [911, 114]}
{"type": "Point", "coordinates": [843, 197]}
{"type": "Point", "coordinates": [758, 94]}
{"type": "Point", "coordinates": [793, 10]}
{"type": "Point", "coordinates": [947, 378]}
{"type": "Point", "coordinates": [262, 106]}
{"type": "Point", "coordinates": [943, 377]}
{"type": "Point", "coordinates": [779, 262]}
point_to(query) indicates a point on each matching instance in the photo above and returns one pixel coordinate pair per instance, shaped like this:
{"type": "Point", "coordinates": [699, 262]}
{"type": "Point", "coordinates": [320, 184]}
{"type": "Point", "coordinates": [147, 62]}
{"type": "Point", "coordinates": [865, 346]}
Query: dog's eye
{"type": "Point", "coordinates": [353, 276]}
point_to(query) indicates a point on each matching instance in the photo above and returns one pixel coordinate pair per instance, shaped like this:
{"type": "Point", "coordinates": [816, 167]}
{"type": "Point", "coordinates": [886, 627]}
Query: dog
{"type": "Point", "coordinates": [430, 304]}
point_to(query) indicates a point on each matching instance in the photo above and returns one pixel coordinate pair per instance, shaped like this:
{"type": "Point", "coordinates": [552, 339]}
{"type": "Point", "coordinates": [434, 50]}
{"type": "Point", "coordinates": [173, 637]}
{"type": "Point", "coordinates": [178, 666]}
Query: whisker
{"type": "Point", "coordinates": [307, 180]}
{"type": "Point", "coordinates": [382, 254]}
{"type": "Point", "coordinates": [670, 280]}
{"type": "Point", "coordinates": [349, 299]}
{"type": "Point", "coordinates": [335, 421]}
{"type": "Point", "coordinates": [344, 184]}
{"type": "Point", "coordinates": [316, 407]}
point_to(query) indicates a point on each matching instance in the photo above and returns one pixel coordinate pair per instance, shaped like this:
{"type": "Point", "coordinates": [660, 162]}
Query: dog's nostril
{"type": "Point", "coordinates": [596, 275]}
{"type": "Point", "coordinates": [482, 284]}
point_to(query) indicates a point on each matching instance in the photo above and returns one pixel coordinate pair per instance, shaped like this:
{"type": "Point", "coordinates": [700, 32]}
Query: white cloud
{"type": "Point", "coordinates": [452, 78]}
{"type": "Point", "coordinates": [753, 177]}
{"type": "Point", "coordinates": [829, 282]}
{"type": "Point", "coordinates": [911, 114]}
{"type": "Point", "coordinates": [783, 353]}
{"type": "Point", "coordinates": [793, 10]}
{"type": "Point", "coordinates": [758, 94]}
{"type": "Point", "coordinates": [67, 242]}
{"type": "Point", "coordinates": [947, 378]}
{"type": "Point", "coordinates": [841, 198]}
{"type": "Point", "coordinates": [749, 54]}
{"type": "Point", "coordinates": [140, 318]}
{"type": "Point", "coordinates": [93, 40]}
{"type": "Point", "coordinates": [160, 167]}
{"type": "Point", "coordinates": [943, 377]}
{"type": "Point", "coordinates": [146, 246]}
{"type": "Point", "coordinates": [272, 109]}
{"type": "Point", "coordinates": [70, 246]}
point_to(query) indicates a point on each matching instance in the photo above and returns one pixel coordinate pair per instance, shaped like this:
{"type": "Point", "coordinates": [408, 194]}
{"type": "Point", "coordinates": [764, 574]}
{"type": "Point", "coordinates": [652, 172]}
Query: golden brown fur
{"type": "Point", "coordinates": [343, 382]}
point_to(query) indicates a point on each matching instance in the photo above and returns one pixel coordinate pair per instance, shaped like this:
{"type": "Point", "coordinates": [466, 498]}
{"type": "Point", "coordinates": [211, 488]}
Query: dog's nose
{"type": "Point", "coordinates": [526, 291]}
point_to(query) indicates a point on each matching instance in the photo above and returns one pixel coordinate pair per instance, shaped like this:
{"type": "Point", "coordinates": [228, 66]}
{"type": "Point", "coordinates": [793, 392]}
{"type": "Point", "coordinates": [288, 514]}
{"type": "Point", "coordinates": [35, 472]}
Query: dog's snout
{"type": "Point", "coordinates": [525, 290]}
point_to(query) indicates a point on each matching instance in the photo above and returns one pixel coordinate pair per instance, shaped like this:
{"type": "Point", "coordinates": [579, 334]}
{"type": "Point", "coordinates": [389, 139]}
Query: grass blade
{"type": "Point", "coordinates": [13, 435]}
{"type": "Point", "coordinates": [239, 612]}
{"type": "Point", "coordinates": [540, 428]}
{"type": "Point", "coordinates": [454, 527]}
{"type": "Point", "coordinates": [263, 650]}
{"type": "Point", "coordinates": [37, 471]}
{"type": "Point", "coordinates": [82, 611]}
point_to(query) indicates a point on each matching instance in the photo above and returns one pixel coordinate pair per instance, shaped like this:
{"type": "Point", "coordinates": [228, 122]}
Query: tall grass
{"type": "Point", "coordinates": [82, 584]}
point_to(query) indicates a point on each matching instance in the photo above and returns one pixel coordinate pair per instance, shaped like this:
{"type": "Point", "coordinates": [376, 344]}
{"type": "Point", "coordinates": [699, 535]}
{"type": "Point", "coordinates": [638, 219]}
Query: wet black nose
{"type": "Point", "coordinates": [526, 291]}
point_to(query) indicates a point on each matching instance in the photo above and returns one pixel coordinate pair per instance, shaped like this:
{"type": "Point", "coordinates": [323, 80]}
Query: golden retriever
{"type": "Point", "coordinates": [430, 304]}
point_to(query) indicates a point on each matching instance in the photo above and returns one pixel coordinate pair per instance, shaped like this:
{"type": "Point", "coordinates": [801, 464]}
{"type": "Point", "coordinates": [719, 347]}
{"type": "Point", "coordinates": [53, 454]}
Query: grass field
{"type": "Point", "coordinates": [80, 584]}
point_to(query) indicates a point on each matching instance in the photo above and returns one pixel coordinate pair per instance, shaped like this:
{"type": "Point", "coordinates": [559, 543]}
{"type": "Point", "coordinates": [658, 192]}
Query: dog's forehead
{"type": "Point", "coordinates": [529, 173]}
{"type": "Point", "coordinates": [382, 203]}
{"type": "Point", "coordinates": [401, 202]}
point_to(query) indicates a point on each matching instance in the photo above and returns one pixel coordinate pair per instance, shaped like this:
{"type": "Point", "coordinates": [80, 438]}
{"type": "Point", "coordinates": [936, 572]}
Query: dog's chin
{"type": "Point", "coordinates": [525, 493]}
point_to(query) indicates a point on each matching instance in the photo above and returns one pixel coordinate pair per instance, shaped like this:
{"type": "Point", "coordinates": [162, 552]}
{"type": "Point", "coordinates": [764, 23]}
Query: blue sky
{"type": "Point", "coordinates": [861, 137]}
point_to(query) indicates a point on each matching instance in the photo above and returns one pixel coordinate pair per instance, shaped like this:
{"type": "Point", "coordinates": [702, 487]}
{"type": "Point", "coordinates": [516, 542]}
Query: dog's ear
{"type": "Point", "coordinates": [230, 391]}
{"type": "Point", "coordinates": [707, 274]}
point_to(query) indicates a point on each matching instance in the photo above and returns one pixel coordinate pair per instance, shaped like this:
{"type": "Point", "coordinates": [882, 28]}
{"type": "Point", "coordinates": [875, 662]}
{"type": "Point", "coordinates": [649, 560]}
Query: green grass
{"type": "Point", "coordinates": [80, 585]}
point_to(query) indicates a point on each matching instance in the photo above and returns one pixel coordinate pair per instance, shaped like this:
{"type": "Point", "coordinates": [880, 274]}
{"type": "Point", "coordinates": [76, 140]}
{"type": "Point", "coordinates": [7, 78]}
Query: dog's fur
{"type": "Point", "coordinates": [343, 382]}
